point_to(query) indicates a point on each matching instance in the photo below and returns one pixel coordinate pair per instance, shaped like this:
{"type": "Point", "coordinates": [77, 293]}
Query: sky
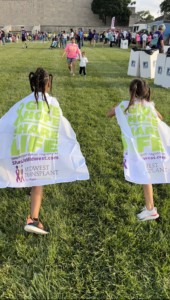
{"type": "Point", "coordinates": [151, 5]}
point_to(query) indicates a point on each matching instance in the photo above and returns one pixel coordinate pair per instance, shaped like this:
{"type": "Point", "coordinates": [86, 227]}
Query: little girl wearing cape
{"type": "Point", "coordinates": [146, 141]}
{"type": "Point", "coordinates": [38, 146]}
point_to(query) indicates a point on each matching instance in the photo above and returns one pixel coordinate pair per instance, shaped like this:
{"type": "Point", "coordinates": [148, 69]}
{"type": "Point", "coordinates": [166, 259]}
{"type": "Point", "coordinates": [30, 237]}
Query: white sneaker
{"type": "Point", "coordinates": [146, 215]}
{"type": "Point", "coordinates": [71, 72]}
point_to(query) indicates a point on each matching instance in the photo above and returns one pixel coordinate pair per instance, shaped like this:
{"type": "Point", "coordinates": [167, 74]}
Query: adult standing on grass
{"type": "Point", "coordinates": [129, 37]}
{"type": "Point", "coordinates": [71, 35]}
{"type": "Point", "coordinates": [23, 36]}
{"type": "Point", "coordinates": [137, 40]}
{"type": "Point", "coordinates": [80, 35]}
{"type": "Point", "coordinates": [94, 38]}
{"type": "Point", "coordinates": [1, 37]}
{"type": "Point", "coordinates": [159, 34]}
{"type": "Point", "coordinates": [103, 39]}
{"type": "Point", "coordinates": [145, 36]}
{"type": "Point", "coordinates": [72, 52]}
{"type": "Point", "coordinates": [64, 39]}
{"type": "Point", "coordinates": [90, 36]}
{"type": "Point", "coordinates": [60, 38]}
{"type": "Point", "coordinates": [106, 37]}
{"type": "Point", "coordinates": [97, 36]}
{"type": "Point", "coordinates": [149, 39]}
{"type": "Point", "coordinates": [121, 37]}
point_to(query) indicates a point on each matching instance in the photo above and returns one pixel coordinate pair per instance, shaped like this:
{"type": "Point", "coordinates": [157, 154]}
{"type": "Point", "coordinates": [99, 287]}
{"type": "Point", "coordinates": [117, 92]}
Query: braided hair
{"type": "Point", "coordinates": [139, 89]}
{"type": "Point", "coordinates": [38, 82]}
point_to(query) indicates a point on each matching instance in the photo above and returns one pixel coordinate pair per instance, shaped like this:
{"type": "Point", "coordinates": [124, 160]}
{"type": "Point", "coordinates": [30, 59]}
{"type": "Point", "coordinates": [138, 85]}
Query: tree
{"type": "Point", "coordinates": [110, 8]}
{"type": "Point", "coordinates": [150, 18]}
{"type": "Point", "coordinates": [145, 15]}
{"type": "Point", "coordinates": [165, 6]}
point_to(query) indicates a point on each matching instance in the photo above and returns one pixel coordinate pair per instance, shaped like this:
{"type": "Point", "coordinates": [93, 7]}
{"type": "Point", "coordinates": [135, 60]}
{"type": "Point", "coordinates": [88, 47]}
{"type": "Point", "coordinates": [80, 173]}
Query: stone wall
{"type": "Point", "coordinates": [72, 13]}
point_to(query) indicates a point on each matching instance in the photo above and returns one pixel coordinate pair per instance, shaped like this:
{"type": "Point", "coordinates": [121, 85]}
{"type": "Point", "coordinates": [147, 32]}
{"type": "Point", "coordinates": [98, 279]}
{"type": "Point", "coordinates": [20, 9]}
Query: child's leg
{"type": "Point", "coordinates": [84, 71]}
{"type": "Point", "coordinates": [148, 193]}
{"type": "Point", "coordinates": [69, 66]}
{"type": "Point", "coordinates": [74, 66]}
{"type": "Point", "coordinates": [80, 71]}
{"type": "Point", "coordinates": [36, 198]}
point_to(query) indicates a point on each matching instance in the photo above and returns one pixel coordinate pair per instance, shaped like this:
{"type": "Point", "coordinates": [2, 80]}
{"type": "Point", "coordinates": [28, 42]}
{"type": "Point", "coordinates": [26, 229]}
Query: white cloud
{"type": "Point", "coordinates": [152, 6]}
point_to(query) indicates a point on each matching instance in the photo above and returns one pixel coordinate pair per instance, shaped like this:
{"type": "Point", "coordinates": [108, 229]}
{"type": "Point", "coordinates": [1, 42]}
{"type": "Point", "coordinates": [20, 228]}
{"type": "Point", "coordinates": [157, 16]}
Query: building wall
{"type": "Point", "coordinates": [48, 12]}
{"type": "Point", "coordinates": [134, 18]}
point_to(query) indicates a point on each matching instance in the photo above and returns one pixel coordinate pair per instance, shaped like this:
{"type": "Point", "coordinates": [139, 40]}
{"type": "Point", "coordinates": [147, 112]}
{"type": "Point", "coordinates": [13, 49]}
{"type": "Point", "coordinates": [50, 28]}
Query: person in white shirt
{"type": "Point", "coordinates": [83, 61]}
{"type": "Point", "coordinates": [125, 34]}
{"type": "Point", "coordinates": [133, 37]}
{"type": "Point", "coordinates": [64, 39]}
{"type": "Point", "coordinates": [144, 37]}
{"type": "Point", "coordinates": [116, 38]}
{"type": "Point", "coordinates": [71, 35]}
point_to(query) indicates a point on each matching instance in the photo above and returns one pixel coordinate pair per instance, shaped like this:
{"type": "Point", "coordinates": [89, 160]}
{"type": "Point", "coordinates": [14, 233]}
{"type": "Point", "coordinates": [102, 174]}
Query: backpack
{"type": "Point", "coordinates": [154, 42]}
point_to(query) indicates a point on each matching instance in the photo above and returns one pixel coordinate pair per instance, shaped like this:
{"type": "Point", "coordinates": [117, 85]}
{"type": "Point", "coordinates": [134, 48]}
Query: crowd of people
{"type": "Point", "coordinates": [109, 37]}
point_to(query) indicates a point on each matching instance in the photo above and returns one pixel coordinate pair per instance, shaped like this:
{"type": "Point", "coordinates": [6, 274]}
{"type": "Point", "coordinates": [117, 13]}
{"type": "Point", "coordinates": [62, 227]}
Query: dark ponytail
{"type": "Point", "coordinates": [138, 89]}
{"type": "Point", "coordinates": [133, 96]}
{"type": "Point", "coordinates": [38, 82]}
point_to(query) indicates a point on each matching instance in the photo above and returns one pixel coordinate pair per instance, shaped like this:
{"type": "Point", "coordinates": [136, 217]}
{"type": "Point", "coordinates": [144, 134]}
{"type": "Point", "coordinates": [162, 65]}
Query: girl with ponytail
{"type": "Point", "coordinates": [146, 143]}
{"type": "Point", "coordinates": [38, 146]}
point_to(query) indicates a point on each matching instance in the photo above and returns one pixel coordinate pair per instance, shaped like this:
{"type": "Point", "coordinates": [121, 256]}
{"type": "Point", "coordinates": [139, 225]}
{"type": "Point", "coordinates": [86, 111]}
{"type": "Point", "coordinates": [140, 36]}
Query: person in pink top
{"type": "Point", "coordinates": [72, 52]}
{"type": "Point", "coordinates": [137, 39]}
{"type": "Point", "coordinates": [149, 38]}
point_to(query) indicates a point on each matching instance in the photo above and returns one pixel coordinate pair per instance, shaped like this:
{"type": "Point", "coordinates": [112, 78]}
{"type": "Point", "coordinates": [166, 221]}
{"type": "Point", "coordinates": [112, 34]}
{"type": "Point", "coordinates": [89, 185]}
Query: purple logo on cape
{"type": "Point", "coordinates": [19, 174]}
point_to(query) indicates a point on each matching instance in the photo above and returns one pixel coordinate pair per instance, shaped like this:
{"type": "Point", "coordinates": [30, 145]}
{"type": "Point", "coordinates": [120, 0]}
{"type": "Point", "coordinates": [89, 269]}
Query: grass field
{"type": "Point", "coordinates": [97, 249]}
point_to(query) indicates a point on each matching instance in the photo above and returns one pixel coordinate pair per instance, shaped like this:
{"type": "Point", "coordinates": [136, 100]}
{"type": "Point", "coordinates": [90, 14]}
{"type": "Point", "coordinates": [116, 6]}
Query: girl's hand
{"type": "Point", "coordinates": [159, 115]}
{"type": "Point", "coordinates": [111, 112]}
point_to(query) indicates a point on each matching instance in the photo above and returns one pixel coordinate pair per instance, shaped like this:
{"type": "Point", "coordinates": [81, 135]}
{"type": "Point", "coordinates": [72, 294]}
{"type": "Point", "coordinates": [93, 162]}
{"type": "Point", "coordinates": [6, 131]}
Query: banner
{"type": "Point", "coordinates": [37, 147]}
{"type": "Point", "coordinates": [146, 141]}
{"type": "Point", "coordinates": [113, 23]}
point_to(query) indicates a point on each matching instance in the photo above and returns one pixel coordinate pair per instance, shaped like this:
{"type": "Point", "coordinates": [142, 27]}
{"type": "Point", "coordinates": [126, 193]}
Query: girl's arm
{"type": "Point", "coordinates": [111, 112]}
{"type": "Point", "coordinates": [64, 53]}
{"type": "Point", "coordinates": [159, 115]}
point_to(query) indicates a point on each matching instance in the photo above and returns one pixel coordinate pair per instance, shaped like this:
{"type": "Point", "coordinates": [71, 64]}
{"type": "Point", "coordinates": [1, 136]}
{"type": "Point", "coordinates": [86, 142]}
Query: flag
{"type": "Point", "coordinates": [113, 23]}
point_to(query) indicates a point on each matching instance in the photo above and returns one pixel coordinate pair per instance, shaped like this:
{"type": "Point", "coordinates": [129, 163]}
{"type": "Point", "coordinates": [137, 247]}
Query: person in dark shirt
{"type": "Point", "coordinates": [23, 36]}
{"type": "Point", "coordinates": [90, 37]}
{"type": "Point", "coordinates": [121, 37]}
{"type": "Point", "coordinates": [3, 37]}
{"type": "Point", "coordinates": [129, 38]}
{"type": "Point", "coordinates": [159, 34]}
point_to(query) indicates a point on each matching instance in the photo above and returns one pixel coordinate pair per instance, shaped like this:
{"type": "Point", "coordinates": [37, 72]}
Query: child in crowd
{"type": "Point", "coordinates": [146, 143]}
{"type": "Point", "coordinates": [38, 146]}
{"type": "Point", "coordinates": [83, 61]}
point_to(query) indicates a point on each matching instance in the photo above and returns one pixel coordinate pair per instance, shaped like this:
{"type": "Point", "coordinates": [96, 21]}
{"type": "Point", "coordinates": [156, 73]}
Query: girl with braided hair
{"type": "Point", "coordinates": [146, 143]}
{"type": "Point", "coordinates": [38, 146]}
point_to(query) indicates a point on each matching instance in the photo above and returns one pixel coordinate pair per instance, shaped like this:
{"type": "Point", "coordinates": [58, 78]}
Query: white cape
{"type": "Point", "coordinates": [38, 148]}
{"type": "Point", "coordinates": [146, 141]}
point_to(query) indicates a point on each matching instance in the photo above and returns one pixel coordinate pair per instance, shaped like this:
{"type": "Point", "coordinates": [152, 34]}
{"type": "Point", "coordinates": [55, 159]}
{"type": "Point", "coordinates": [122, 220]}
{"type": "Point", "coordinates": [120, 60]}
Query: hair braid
{"type": "Point", "coordinates": [38, 82]}
{"type": "Point", "coordinates": [31, 79]}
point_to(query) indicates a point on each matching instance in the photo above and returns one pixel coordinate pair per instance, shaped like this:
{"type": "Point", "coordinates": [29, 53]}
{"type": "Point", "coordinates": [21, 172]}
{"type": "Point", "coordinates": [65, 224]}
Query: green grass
{"type": "Point", "coordinates": [97, 249]}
